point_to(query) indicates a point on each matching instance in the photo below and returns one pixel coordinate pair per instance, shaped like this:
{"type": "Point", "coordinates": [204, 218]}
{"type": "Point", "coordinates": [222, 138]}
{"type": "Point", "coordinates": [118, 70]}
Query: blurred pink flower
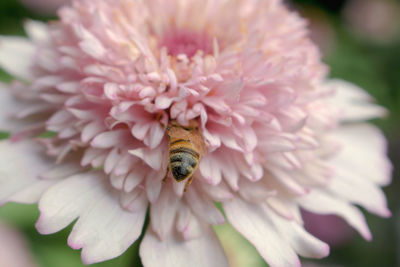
{"type": "Point", "coordinates": [14, 251]}
{"type": "Point", "coordinates": [377, 20]}
{"type": "Point", "coordinates": [329, 228]}
{"type": "Point", "coordinates": [45, 6]}
{"type": "Point", "coordinates": [110, 73]}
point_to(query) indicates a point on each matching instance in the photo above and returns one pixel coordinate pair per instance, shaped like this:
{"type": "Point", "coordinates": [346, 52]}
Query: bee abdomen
{"type": "Point", "coordinates": [183, 162]}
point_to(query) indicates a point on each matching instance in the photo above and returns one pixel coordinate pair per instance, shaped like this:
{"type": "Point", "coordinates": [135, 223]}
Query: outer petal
{"type": "Point", "coordinates": [16, 54]}
{"type": "Point", "coordinates": [361, 166]}
{"type": "Point", "coordinates": [20, 167]}
{"type": "Point", "coordinates": [104, 229]}
{"type": "Point", "coordinates": [353, 102]}
{"type": "Point", "coordinates": [173, 251]}
{"type": "Point", "coordinates": [364, 153]}
{"type": "Point", "coordinates": [253, 223]}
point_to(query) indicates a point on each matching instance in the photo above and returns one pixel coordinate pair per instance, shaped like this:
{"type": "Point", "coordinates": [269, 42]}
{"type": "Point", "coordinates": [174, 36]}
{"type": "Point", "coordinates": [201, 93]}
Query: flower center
{"type": "Point", "coordinates": [187, 42]}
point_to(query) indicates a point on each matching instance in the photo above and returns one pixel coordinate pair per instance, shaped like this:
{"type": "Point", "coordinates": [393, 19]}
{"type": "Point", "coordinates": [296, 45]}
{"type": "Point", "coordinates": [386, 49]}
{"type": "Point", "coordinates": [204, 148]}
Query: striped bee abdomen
{"type": "Point", "coordinates": [183, 159]}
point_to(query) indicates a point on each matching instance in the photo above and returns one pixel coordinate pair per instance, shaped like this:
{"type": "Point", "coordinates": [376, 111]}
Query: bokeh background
{"type": "Point", "coordinates": [360, 41]}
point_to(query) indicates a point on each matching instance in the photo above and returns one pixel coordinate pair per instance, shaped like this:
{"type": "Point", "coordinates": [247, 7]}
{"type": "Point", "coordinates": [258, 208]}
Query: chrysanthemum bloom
{"type": "Point", "coordinates": [110, 75]}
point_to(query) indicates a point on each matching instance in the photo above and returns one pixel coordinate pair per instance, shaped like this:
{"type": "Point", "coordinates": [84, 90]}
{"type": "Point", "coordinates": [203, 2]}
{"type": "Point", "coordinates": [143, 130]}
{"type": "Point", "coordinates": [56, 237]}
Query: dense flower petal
{"type": "Point", "coordinates": [233, 91]}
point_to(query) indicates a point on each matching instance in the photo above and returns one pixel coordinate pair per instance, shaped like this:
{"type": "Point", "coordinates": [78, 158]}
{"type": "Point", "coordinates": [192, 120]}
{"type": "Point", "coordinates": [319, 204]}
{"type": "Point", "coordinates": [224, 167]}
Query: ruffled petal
{"type": "Point", "coordinates": [204, 250]}
{"type": "Point", "coordinates": [257, 227]}
{"type": "Point", "coordinates": [104, 229]}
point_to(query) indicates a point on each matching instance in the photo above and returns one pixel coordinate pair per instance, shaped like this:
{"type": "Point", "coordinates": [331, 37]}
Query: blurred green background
{"type": "Point", "coordinates": [361, 44]}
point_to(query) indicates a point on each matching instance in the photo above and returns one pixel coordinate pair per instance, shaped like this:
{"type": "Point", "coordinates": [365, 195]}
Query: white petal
{"type": "Point", "coordinates": [353, 102]}
{"type": "Point", "coordinates": [364, 153]}
{"type": "Point", "coordinates": [253, 223]}
{"type": "Point", "coordinates": [302, 242]}
{"type": "Point", "coordinates": [104, 229]}
{"type": "Point", "coordinates": [21, 165]}
{"type": "Point", "coordinates": [173, 251]}
{"type": "Point", "coordinates": [37, 31]}
{"type": "Point", "coordinates": [16, 56]}
{"type": "Point", "coordinates": [163, 212]}
{"type": "Point", "coordinates": [203, 207]}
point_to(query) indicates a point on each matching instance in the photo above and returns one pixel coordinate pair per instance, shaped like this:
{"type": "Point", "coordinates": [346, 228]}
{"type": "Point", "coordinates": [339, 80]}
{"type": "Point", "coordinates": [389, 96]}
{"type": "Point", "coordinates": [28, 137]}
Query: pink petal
{"type": "Point", "coordinates": [109, 139]}
{"type": "Point", "coordinates": [152, 157]}
{"type": "Point", "coordinates": [210, 169]}
{"type": "Point", "coordinates": [302, 242]}
{"type": "Point", "coordinates": [134, 201]}
{"type": "Point", "coordinates": [187, 224]}
{"type": "Point", "coordinates": [86, 196]}
{"type": "Point", "coordinates": [135, 177]}
{"type": "Point", "coordinates": [163, 212]}
{"type": "Point", "coordinates": [172, 251]}
{"type": "Point", "coordinates": [254, 224]}
{"type": "Point", "coordinates": [154, 184]}
{"type": "Point", "coordinates": [14, 251]}
{"type": "Point", "coordinates": [203, 207]}
{"type": "Point", "coordinates": [112, 160]}
{"type": "Point", "coordinates": [139, 130]}
{"type": "Point", "coordinates": [163, 102]}
{"type": "Point", "coordinates": [91, 130]}
{"type": "Point", "coordinates": [156, 135]}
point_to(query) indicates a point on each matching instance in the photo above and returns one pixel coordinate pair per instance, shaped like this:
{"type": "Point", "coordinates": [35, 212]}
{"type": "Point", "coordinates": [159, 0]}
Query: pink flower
{"type": "Point", "coordinates": [14, 251]}
{"type": "Point", "coordinates": [45, 6]}
{"type": "Point", "coordinates": [329, 228]}
{"type": "Point", "coordinates": [374, 20]}
{"type": "Point", "coordinates": [111, 74]}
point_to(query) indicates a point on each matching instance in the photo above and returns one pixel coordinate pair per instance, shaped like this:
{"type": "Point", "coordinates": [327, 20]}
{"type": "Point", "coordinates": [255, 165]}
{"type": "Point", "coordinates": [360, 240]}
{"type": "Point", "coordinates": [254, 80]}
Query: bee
{"type": "Point", "coordinates": [185, 149]}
